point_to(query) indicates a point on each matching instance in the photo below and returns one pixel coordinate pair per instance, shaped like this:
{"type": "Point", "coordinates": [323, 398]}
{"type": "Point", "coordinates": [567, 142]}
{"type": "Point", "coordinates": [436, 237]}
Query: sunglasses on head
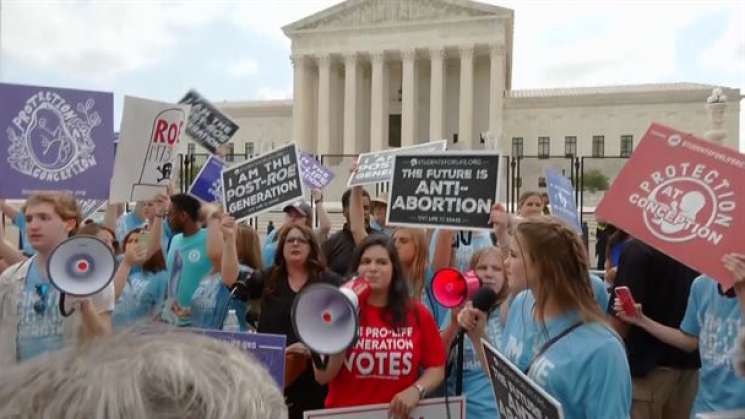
{"type": "Point", "coordinates": [42, 291]}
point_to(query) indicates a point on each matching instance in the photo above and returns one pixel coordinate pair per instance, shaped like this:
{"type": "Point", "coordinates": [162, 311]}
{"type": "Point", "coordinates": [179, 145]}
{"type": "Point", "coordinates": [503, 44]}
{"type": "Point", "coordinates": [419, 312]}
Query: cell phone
{"type": "Point", "coordinates": [627, 300]}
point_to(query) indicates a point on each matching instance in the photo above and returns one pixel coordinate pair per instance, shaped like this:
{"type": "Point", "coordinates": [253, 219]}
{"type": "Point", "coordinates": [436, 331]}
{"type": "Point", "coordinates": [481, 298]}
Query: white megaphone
{"type": "Point", "coordinates": [80, 266]}
{"type": "Point", "coordinates": [325, 319]}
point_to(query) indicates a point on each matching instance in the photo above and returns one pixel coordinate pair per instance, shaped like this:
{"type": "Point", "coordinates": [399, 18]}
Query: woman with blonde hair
{"type": "Point", "coordinates": [555, 330]}
{"type": "Point", "coordinates": [488, 265]}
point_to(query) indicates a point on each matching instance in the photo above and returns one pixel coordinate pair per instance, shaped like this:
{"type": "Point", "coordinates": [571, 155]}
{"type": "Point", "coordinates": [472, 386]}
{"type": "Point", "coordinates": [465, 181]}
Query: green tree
{"type": "Point", "coordinates": [594, 180]}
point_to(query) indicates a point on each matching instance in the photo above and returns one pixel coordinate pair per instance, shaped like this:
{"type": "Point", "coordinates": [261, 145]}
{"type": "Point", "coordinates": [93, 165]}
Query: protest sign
{"type": "Point", "coordinates": [683, 196]}
{"type": "Point", "coordinates": [517, 395]}
{"type": "Point", "coordinates": [315, 174]}
{"type": "Point", "coordinates": [88, 207]}
{"type": "Point", "coordinates": [443, 190]}
{"type": "Point", "coordinates": [207, 186]}
{"type": "Point", "coordinates": [262, 183]}
{"type": "Point", "coordinates": [378, 166]}
{"type": "Point", "coordinates": [435, 408]}
{"type": "Point", "coordinates": [207, 125]}
{"type": "Point", "coordinates": [146, 151]}
{"type": "Point", "coordinates": [561, 197]}
{"type": "Point", "coordinates": [56, 139]}
{"type": "Point", "coordinates": [266, 348]}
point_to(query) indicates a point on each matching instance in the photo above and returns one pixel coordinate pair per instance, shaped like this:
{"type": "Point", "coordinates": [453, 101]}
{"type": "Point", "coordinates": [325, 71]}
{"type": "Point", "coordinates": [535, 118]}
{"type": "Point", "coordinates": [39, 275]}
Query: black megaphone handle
{"type": "Point", "coordinates": [320, 361]}
{"type": "Point", "coordinates": [62, 306]}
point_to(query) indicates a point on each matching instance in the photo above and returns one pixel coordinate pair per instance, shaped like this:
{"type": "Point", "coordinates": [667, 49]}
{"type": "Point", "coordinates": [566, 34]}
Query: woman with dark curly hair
{"type": "Point", "coordinates": [398, 338]}
{"type": "Point", "coordinates": [297, 264]}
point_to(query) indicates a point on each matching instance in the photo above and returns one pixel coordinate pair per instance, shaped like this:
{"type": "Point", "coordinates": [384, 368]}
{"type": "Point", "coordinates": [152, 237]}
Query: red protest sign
{"type": "Point", "coordinates": [683, 196]}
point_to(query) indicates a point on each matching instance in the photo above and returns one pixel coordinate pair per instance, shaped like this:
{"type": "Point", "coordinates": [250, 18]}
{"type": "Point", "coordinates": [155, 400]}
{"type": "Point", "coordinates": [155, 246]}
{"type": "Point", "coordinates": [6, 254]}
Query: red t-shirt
{"type": "Point", "coordinates": [384, 362]}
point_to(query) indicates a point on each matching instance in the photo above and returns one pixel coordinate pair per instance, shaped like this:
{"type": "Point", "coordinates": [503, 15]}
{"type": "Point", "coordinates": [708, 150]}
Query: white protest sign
{"type": "Point", "coordinates": [149, 134]}
{"type": "Point", "coordinates": [428, 408]}
{"type": "Point", "coordinates": [378, 166]}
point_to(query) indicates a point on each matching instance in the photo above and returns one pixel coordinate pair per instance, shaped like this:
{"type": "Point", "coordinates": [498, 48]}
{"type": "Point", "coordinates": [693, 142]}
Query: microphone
{"type": "Point", "coordinates": [484, 299]}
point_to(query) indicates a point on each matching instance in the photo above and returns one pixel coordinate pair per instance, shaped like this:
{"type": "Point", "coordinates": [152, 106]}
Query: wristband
{"type": "Point", "coordinates": [420, 388]}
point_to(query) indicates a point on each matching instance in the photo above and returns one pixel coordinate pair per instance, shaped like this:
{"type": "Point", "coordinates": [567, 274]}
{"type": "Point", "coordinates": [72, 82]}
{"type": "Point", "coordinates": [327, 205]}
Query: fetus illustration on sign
{"type": "Point", "coordinates": [681, 212]}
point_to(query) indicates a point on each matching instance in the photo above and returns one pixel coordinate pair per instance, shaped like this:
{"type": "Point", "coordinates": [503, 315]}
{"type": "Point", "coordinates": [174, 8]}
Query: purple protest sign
{"type": "Point", "coordinates": [315, 175]}
{"type": "Point", "coordinates": [266, 348]}
{"type": "Point", "coordinates": [56, 139]}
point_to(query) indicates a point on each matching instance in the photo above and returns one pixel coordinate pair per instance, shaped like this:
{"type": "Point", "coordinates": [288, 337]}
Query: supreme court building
{"type": "Point", "coordinates": [373, 74]}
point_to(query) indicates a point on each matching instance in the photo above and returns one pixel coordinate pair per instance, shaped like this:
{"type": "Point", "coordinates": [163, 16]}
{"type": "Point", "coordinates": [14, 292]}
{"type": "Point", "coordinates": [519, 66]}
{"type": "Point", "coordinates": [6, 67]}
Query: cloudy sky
{"type": "Point", "coordinates": [235, 50]}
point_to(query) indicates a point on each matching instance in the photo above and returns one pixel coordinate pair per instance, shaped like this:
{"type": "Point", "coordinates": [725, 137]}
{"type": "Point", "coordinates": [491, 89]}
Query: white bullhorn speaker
{"type": "Point", "coordinates": [81, 266]}
{"type": "Point", "coordinates": [325, 317]}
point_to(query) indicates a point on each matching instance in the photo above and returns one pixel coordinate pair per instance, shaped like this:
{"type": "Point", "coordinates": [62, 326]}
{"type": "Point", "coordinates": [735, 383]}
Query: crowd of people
{"type": "Point", "coordinates": [183, 263]}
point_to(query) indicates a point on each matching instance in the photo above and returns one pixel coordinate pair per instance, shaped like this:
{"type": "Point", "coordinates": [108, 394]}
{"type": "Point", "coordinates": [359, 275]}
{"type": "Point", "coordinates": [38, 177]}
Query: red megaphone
{"type": "Point", "coordinates": [452, 288]}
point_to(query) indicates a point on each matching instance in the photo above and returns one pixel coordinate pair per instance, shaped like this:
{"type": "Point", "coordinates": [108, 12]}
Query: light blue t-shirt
{"type": "Point", "coordinates": [40, 329]}
{"type": "Point", "coordinates": [126, 223]}
{"type": "Point", "coordinates": [196, 264]}
{"type": "Point", "coordinates": [141, 298]}
{"type": "Point", "coordinates": [715, 320]}
{"type": "Point", "coordinates": [388, 231]}
{"type": "Point", "coordinates": [20, 222]}
{"type": "Point", "coordinates": [586, 371]}
{"type": "Point", "coordinates": [480, 401]}
{"type": "Point", "coordinates": [211, 302]}
{"type": "Point", "coordinates": [269, 250]}
{"type": "Point", "coordinates": [466, 243]}
{"type": "Point", "coordinates": [601, 293]}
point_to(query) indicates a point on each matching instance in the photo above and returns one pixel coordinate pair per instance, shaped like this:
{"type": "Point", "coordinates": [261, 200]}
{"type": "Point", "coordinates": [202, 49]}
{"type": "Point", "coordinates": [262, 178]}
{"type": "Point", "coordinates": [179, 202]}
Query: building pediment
{"type": "Point", "coordinates": [367, 13]}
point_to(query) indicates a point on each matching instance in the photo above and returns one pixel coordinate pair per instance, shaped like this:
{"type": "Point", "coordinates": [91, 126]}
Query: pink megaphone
{"type": "Point", "coordinates": [452, 288]}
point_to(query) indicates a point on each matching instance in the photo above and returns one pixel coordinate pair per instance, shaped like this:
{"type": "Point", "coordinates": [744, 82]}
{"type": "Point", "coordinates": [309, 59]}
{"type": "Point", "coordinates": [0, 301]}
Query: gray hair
{"type": "Point", "coordinates": [135, 375]}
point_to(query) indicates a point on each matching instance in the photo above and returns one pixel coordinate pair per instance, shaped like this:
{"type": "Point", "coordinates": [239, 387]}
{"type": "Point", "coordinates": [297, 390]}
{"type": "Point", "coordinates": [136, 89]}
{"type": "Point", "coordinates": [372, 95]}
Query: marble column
{"type": "Point", "coordinates": [465, 119]}
{"type": "Point", "coordinates": [437, 94]}
{"type": "Point", "coordinates": [379, 103]}
{"type": "Point", "coordinates": [351, 76]}
{"type": "Point", "coordinates": [324, 104]}
{"type": "Point", "coordinates": [409, 97]}
{"type": "Point", "coordinates": [496, 95]}
{"type": "Point", "coordinates": [300, 103]}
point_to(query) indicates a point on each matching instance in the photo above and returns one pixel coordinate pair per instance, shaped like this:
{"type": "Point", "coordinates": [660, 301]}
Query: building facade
{"type": "Point", "coordinates": [373, 74]}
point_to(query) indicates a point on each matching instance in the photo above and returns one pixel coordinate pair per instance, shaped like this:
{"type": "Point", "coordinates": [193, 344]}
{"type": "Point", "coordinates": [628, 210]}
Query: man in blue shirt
{"type": "Point", "coordinates": [190, 243]}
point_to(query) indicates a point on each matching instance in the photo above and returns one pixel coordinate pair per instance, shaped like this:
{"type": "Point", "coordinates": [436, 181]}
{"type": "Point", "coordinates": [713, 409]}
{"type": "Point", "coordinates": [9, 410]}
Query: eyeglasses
{"type": "Point", "coordinates": [298, 240]}
{"type": "Point", "coordinates": [42, 291]}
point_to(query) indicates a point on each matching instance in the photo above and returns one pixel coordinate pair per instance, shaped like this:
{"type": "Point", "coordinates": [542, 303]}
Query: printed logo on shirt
{"type": "Point", "coordinates": [50, 141]}
{"type": "Point", "coordinates": [34, 325]}
{"type": "Point", "coordinates": [717, 339]}
{"type": "Point", "coordinates": [381, 352]}
{"type": "Point", "coordinates": [194, 255]}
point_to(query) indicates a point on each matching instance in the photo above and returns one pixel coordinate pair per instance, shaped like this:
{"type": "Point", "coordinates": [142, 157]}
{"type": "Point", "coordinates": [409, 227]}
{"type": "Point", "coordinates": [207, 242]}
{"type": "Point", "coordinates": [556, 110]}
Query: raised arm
{"type": "Point", "coordinates": [357, 215]}
{"type": "Point", "coordinates": [8, 209]}
{"type": "Point", "coordinates": [9, 253]}
{"type": "Point", "coordinates": [111, 216]}
{"type": "Point", "coordinates": [230, 266]}
{"type": "Point", "coordinates": [324, 222]}
{"type": "Point", "coordinates": [443, 256]}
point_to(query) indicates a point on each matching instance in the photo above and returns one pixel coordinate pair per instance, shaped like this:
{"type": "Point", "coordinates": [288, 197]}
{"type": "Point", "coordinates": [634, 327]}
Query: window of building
{"type": "Point", "coordinates": [517, 146]}
{"type": "Point", "coordinates": [598, 145]}
{"type": "Point", "coordinates": [230, 151]}
{"type": "Point", "coordinates": [544, 147]}
{"type": "Point", "coordinates": [249, 149]}
{"type": "Point", "coordinates": [541, 181]}
{"type": "Point", "coordinates": [627, 145]}
{"type": "Point", "coordinates": [191, 148]}
{"type": "Point", "coordinates": [570, 146]}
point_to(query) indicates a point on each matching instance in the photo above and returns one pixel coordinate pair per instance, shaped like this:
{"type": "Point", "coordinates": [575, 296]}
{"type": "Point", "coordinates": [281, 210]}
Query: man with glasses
{"type": "Point", "coordinates": [30, 319]}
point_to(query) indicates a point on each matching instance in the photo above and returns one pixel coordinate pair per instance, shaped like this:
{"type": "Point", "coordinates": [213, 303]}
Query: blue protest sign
{"type": "Point", "coordinates": [207, 186]}
{"type": "Point", "coordinates": [561, 197]}
{"type": "Point", "coordinates": [315, 175]}
{"type": "Point", "coordinates": [268, 349]}
{"type": "Point", "coordinates": [56, 139]}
